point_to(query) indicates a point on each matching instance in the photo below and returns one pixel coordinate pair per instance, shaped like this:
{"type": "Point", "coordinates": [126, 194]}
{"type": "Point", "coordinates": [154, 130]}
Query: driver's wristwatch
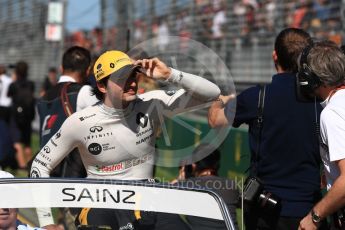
{"type": "Point", "coordinates": [315, 217]}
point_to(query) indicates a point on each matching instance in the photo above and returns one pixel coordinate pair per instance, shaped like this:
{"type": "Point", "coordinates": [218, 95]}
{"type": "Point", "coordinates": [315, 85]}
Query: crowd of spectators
{"type": "Point", "coordinates": [243, 23]}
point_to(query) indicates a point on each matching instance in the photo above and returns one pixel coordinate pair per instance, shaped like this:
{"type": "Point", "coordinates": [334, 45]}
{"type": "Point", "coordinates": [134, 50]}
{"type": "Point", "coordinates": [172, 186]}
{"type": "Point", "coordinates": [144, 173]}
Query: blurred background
{"type": "Point", "coordinates": [241, 32]}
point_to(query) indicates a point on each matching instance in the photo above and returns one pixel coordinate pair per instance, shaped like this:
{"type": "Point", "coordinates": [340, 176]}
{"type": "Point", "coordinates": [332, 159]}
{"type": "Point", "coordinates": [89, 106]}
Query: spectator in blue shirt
{"type": "Point", "coordinates": [288, 162]}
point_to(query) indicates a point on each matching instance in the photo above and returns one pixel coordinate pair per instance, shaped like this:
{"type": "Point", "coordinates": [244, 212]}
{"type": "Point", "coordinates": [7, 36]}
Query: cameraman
{"type": "Point", "coordinates": [322, 72]}
{"type": "Point", "coordinates": [288, 159]}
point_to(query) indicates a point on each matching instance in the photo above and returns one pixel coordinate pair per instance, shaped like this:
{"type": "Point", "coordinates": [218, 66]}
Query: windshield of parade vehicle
{"type": "Point", "coordinates": [109, 204]}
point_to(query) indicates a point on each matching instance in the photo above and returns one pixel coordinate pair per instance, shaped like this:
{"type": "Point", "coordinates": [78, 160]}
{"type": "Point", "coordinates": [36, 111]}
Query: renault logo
{"type": "Point", "coordinates": [142, 120]}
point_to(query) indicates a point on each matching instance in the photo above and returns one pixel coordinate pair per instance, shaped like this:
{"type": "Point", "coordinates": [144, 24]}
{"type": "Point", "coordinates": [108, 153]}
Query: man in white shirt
{"type": "Point", "coordinates": [322, 73]}
{"type": "Point", "coordinates": [7, 151]}
{"type": "Point", "coordinates": [5, 100]}
{"type": "Point", "coordinates": [219, 21]}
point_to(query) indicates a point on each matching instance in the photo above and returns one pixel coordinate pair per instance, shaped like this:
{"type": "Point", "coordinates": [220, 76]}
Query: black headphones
{"type": "Point", "coordinates": [342, 48]}
{"type": "Point", "coordinates": [306, 78]}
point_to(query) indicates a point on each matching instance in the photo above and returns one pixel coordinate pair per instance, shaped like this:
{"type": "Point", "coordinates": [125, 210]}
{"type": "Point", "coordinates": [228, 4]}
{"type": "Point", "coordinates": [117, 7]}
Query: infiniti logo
{"type": "Point", "coordinates": [96, 129]}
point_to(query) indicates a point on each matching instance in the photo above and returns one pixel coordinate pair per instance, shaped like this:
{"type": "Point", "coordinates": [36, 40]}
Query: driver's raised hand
{"type": "Point", "coordinates": [154, 68]}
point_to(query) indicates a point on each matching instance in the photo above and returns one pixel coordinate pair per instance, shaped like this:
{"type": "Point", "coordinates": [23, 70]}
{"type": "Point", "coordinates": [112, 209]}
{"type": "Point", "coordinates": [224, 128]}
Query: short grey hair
{"type": "Point", "coordinates": [327, 61]}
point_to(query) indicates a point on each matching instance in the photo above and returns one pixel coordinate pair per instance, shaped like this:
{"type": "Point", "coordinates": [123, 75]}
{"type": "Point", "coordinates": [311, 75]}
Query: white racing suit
{"type": "Point", "coordinates": [119, 144]}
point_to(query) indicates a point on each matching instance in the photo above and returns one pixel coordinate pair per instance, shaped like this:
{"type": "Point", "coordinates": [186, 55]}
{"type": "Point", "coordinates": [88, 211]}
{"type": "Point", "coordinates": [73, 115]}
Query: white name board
{"type": "Point", "coordinates": [132, 197]}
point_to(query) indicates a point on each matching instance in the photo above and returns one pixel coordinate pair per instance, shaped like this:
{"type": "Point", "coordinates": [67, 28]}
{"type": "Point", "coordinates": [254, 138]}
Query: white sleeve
{"type": "Point", "coordinates": [85, 98]}
{"type": "Point", "coordinates": [198, 87]}
{"type": "Point", "coordinates": [56, 149]}
{"type": "Point", "coordinates": [333, 133]}
{"type": "Point", "coordinates": [196, 92]}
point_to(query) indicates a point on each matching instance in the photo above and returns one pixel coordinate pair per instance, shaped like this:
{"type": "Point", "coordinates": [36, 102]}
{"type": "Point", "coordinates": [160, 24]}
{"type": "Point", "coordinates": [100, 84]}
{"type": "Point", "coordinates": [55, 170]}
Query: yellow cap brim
{"type": "Point", "coordinates": [124, 72]}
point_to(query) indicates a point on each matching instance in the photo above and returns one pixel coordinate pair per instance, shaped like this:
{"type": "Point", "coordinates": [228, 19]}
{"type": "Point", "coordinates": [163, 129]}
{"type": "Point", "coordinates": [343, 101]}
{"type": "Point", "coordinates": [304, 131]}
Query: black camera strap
{"type": "Point", "coordinates": [259, 124]}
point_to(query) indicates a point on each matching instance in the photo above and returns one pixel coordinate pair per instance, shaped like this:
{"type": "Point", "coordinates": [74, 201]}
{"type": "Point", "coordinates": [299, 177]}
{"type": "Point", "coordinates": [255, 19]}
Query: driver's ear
{"type": "Point", "coordinates": [193, 167]}
{"type": "Point", "coordinates": [101, 87]}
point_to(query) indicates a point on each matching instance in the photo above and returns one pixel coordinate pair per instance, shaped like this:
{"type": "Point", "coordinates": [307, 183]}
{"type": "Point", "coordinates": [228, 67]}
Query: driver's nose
{"type": "Point", "coordinates": [132, 82]}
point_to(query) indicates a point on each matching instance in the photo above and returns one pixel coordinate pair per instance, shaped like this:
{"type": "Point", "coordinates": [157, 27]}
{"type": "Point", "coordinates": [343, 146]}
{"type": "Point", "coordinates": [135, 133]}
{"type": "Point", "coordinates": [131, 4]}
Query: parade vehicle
{"type": "Point", "coordinates": [30, 195]}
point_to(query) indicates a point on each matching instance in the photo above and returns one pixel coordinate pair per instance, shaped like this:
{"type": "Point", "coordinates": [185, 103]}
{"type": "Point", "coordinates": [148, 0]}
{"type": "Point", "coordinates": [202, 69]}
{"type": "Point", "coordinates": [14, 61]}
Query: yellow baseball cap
{"type": "Point", "coordinates": [115, 63]}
